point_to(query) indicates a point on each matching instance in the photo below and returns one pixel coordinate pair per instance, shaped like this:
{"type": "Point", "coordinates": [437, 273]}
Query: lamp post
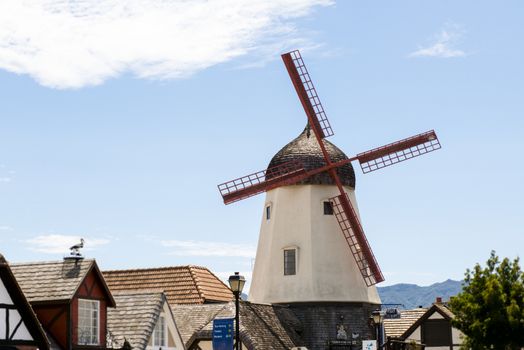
{"type": "Point", "coordinates": [236, 282]}
{"type": "Point", "coordinates": [378, 318]}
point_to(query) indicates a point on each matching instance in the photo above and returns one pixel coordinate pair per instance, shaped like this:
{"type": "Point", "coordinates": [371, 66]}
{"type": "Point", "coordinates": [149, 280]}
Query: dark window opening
{"type": "Point", "coordinates": [290, 267]}
{"type": "Point", "coordinates": [328, 208]}
{"type": "Point", "coordinates": [436, 333]}
{"type": "Point", "coordinates": [268, 212]}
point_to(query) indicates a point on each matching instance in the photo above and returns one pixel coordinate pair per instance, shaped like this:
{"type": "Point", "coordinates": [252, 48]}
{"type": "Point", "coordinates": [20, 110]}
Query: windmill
{"type": "Point", "coordinates": [294, 171]}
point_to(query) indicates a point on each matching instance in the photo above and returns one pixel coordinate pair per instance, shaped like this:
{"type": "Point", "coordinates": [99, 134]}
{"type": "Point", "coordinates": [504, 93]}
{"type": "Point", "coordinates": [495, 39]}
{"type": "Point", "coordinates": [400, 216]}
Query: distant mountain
{"type": "Point", "coordinates": [412, 295]}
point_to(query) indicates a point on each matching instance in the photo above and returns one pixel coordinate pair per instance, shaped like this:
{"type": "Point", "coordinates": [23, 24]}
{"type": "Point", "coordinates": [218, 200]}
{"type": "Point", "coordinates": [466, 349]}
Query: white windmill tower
{"type": "Point", "coordinates": [303, 260]}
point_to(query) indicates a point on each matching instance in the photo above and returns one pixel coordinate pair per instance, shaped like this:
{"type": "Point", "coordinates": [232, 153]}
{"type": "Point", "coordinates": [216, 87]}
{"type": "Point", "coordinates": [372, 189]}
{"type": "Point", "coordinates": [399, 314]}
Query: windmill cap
{"type": "Point", "coordinates": [306, 150]}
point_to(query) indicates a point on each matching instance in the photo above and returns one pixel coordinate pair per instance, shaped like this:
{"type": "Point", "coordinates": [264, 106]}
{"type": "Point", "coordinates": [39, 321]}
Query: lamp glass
{"type": "Point", "coordinates": [377, 317]}
{"type": "Point", "coordinates": [236, 282]}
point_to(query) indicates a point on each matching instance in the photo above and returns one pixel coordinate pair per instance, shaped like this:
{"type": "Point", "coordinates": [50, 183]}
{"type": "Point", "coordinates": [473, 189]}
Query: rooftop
{"type": "Point", "coordinates": [51, 280]}
{"type": "Point", "coordinates": [135, 317]}
{"type": "Point", "coordinates": [261, 326]}
{"type": "Point", "coordinates": [181, 284]}
{"type": "Point", "coordinates": [398, 326]}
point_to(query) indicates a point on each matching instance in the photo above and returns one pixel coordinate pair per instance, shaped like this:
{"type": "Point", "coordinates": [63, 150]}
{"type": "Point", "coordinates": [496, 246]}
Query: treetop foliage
{"type": "Point", "coordinates": [490, 308]}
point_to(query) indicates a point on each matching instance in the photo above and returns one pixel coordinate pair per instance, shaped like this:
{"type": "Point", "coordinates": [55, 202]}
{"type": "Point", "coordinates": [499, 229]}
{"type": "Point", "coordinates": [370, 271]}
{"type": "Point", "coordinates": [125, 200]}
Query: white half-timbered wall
{"type": "Point", "coordinates": [12, 327]}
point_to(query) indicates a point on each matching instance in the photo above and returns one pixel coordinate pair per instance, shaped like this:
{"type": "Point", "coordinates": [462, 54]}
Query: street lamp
{"type": "Point", "coordinates": [236, 282]}
{"type": "Point", "coordinates": [378, 318]}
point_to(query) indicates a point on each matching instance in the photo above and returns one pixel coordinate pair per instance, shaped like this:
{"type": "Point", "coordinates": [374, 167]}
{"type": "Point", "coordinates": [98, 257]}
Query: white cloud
{"type": "Point", "coordinates": [443, 45]}
{"type": "Point", "coordinates": [204, 248]}
{"type": "Point", "coordinates": [71, 44]}
{"type": "Point", "coordinates": [55, 244]}
{"type": "Point", "coordinates": [6, 175]}
{"type": "Point", "coordinates": [5, 228]}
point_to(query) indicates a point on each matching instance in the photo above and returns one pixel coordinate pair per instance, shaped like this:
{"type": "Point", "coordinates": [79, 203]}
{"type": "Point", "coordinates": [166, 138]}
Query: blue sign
{"type": "Point", "coordinates": [223, 334]}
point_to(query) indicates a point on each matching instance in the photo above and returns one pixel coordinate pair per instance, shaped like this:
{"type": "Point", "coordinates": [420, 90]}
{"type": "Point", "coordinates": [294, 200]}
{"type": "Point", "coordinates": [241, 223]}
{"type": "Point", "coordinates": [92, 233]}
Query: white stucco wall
{"type": "Point", "coordinates": [14, 317]}
{"type": "Point", "coordinates": [205, 345]}
{"type": "Point", "coordinates": [416, 335]}
{"type": "Point", "coordinates": [326, 269]}
{"type": "Point", "coordinates": [457, 336]}
{"type": "Point", "coordinates": [4, 295]}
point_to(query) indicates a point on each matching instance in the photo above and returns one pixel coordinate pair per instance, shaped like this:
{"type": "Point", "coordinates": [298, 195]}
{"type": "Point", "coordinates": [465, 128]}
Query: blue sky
{"type": "Point", "coordinates": [117, 123]}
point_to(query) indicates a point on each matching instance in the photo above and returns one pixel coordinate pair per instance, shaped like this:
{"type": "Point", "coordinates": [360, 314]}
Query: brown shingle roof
{"type": "Point", "coordinates": [397, 326]}
{"type": "Point", "coordinates": [135, 317]}
{"type": "Point", "coordinates": [190, 319]}
{"type": "Point", "coordinates": [261, 326]}
{"type": "Point", "coordinates": [306, 149]}
{"type": "Point", "coordinates": [51, 280]}
{"type": "Point", "coordinates": [181, 284]}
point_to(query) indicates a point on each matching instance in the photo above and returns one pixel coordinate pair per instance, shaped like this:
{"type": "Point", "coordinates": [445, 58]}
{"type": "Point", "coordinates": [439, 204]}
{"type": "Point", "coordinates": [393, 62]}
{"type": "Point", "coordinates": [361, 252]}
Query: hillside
{"type": "Point", "coordinates": [412, 295]}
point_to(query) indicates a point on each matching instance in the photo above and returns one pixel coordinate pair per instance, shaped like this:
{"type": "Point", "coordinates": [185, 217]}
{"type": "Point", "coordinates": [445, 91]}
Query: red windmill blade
{"type": "Point", "coordinates": [399, 151]}
{"type": "Point", "coordinates": [307, 93]}
{"type": "Point", "coordinates": [293, 172]}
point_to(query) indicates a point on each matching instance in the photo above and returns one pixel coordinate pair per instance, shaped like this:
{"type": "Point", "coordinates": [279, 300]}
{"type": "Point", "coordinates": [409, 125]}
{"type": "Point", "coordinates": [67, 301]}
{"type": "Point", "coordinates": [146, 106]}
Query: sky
{"type": "Point", "coordinates": [118, 120]}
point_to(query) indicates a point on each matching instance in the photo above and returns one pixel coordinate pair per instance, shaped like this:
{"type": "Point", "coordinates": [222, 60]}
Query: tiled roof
{"type": "Point", "coordinates": [261, 326]}
{"type": "Point", "coordinates": [397, 326]}
{"type": "Point", "coordinates": [411, 319]}
{"type": "Point", "coordinates": [51, 280]}
{"type": "Point", "coordinates": [192, 318]}
{"type": "Point", "coordinates": [181, 284]}
{"type": "Point", "coordinates": [305, 149]}
{"type": "Point", "coordinates": [135, 317]}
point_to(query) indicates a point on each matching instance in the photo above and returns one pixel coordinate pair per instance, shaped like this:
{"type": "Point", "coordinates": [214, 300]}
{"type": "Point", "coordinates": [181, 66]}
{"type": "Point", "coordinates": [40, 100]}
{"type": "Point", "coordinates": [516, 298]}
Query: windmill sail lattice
{"type": "Point", "coordinates": [261, 181]}
{"type": "Point", "coordinates": [354, 235]}
{"type": "Point", "coordinates": [399, 151]}
{"type": "Point", "coordinates": [307, 93]}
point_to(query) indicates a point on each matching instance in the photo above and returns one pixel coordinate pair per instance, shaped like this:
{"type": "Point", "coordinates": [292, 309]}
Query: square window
{"type": "Point", "coordinates": [290, 267]}
{"type": "Point", "coordinates": [328, 208]}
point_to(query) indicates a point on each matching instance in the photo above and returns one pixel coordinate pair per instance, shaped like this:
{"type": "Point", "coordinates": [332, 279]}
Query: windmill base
{"type": "Point", "coordinates": [322, 323]}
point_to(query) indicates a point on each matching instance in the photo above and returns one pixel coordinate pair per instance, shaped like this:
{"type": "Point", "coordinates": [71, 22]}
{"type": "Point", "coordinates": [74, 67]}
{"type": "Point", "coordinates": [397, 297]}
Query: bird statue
{"type": "Point", "coordinates": [75, 250]}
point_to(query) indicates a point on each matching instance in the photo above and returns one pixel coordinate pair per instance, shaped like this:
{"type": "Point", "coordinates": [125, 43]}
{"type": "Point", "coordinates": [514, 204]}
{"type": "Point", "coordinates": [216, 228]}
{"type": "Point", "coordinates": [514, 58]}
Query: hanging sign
{"type": "Point", "coordinates": [223, 334]}
{"type": "Point", "coordinates": [369, 345]}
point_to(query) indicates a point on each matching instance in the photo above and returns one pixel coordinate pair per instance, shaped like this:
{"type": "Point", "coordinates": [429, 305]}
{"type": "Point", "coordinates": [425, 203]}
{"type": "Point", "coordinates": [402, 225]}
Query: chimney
{"type": "Point", "coordinates": [438, 300]}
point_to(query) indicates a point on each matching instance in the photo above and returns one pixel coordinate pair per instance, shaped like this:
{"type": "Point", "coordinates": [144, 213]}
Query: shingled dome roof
{"type": "Point", "coordinates": [306, 149]}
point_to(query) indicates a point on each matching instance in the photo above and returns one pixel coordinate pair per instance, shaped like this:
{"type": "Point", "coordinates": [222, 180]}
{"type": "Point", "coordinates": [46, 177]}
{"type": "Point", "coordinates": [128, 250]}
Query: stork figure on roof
{"type": "Point", "coordinates": [302, 259]}
{"type": "Point", "coordinates": [75, 249]}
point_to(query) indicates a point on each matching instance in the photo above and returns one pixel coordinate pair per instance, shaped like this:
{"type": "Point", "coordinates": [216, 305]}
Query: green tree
{"type": "Point", "coordinates": [490, 308]}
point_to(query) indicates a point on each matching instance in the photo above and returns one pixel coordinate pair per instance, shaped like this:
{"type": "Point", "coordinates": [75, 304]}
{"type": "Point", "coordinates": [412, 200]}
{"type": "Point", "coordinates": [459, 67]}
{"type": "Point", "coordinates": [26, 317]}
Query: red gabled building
{"type": "Point", "coordinates": [70, 298]}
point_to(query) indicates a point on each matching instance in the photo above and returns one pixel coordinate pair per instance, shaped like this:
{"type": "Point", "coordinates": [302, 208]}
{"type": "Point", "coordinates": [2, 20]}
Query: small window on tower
{"type": "Point", "coordinates": [268, 212]}
{"type": "Point", "coordinates": [290, 259]}
{"type": "Point", "coordinates": [328, 208]}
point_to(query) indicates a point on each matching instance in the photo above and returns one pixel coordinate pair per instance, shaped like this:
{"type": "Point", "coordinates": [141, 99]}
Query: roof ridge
{"type": "Point", "coordinates": [138, 291]}
{"type": "Point", "coordinates": [156, 268]}
{"type": "Point", "coordinates": [49, 262]}
{"type": "Point", "coordinates": [213, 274]}
{"type": "Point", "coordinates": [195, 280]}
